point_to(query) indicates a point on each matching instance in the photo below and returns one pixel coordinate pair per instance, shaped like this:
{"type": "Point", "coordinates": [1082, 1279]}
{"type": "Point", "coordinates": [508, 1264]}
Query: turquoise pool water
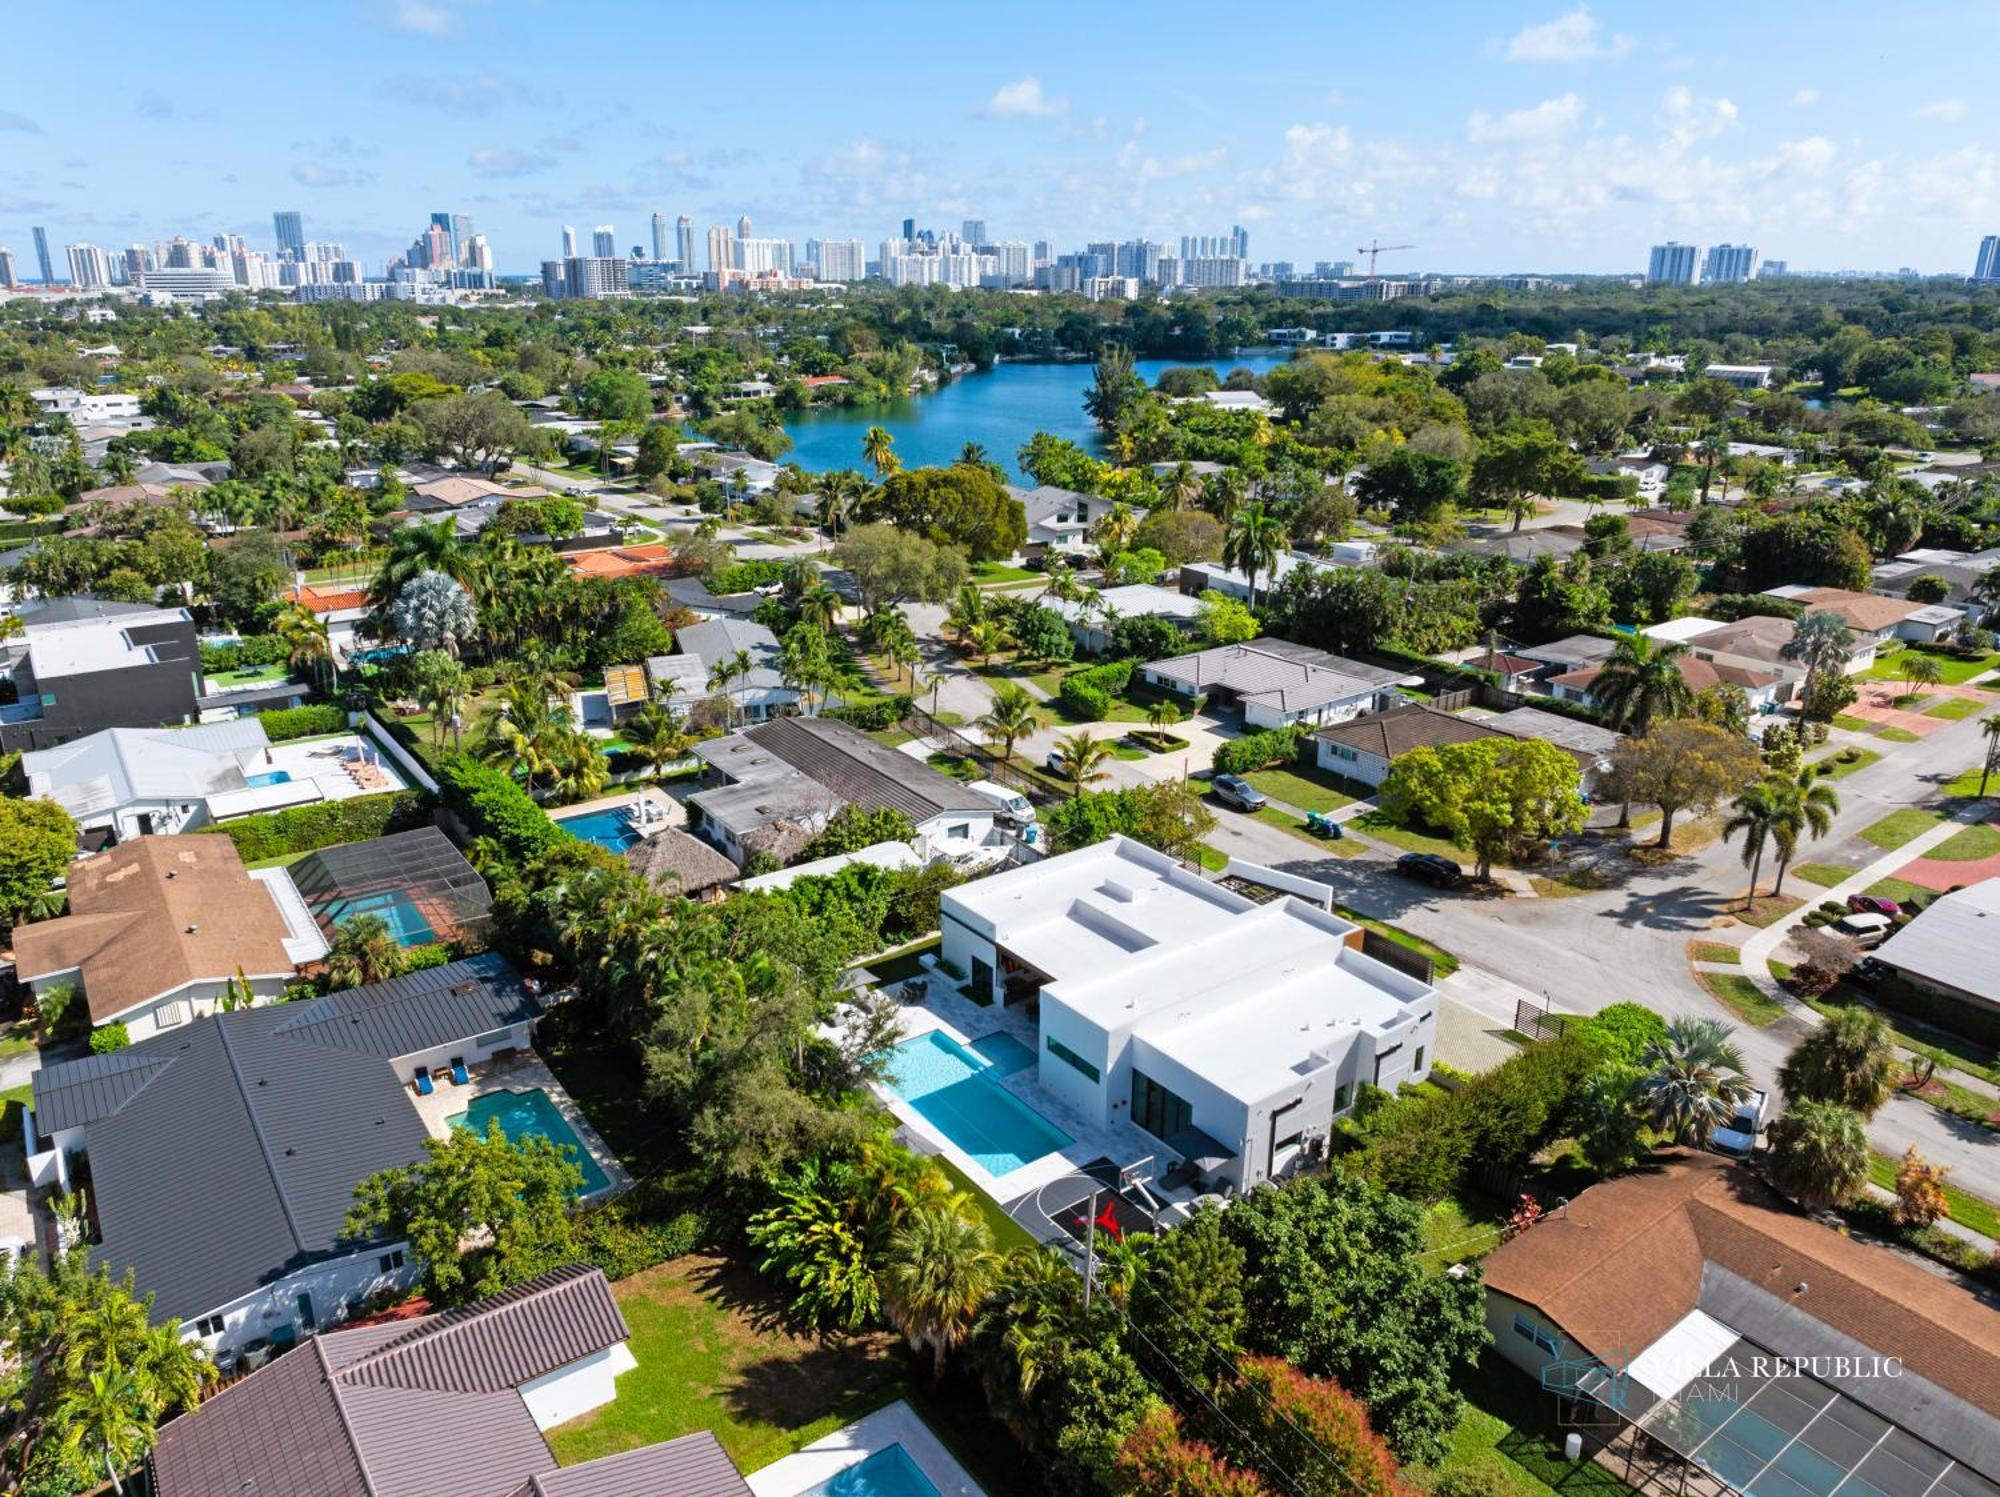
{"type": "Point", "coordinates": [889, 1472]}
{"type": "Point", "coordinates": [398, 911]}
{"type": "Point", "coordinates": [612, 829]}
{"type": "Point", "coordinates": [1006, 1053]}
{"type": "Point", "coordinates": [957, 1091]}
{"type": "Point", "coordinates": [275, 777]}
{"type": "Point", "coordinates": [532, 1114]}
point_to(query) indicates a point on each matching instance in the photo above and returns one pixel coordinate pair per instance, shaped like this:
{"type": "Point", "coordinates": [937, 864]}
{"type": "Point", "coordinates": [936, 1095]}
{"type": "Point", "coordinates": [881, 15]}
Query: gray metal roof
{"type": "Point", "coordinates": [232, 1157]}
{"type": "Point", "coordinates": [104, 771]}
{"type": "Point", "coordinates": [1577, 649]}
{"type": "Point", "coordinates": [1952, 943]}
{"type": "Point", "coordinates": [429, 1406]}
{"type": "Point", "coordinates": [861, 771]}
{"type": "Point", "coordinates": [695, 1465]}
{"type": "Point", "coordinates": [1553, 727]}
{"type": "Point", "coordinates": [1275, 673]}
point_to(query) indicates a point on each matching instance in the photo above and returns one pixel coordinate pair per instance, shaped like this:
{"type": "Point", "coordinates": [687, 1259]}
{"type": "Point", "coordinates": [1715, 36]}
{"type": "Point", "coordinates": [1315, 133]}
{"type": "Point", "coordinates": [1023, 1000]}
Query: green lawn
{"type": "Point", "coordinates": [1899, 889]}
{"type": "Point", "coordinates": [1509, 1443]}
{"type": "Point", "coordinates": [1713, 951]}
{"type": "Point", "coordinates": [1385, 828]}
{"type": "Point", "coordinates": [1968, 846]}
{"type": "Point", "coordinates": [1456, 1230]}
{"type": "Point", "coordinates": [1853, 724]}
{"type": "Point", "coordinates": [1966, 1209]}
{"type": "Point", "coordinates": [1308, 789]}
{"type": "Point", "coordinates": [1955, 672]}
{"type": "Point", "coordinates": [993, 571]}
{"type": "Point", "coordinates": [1965, 784]}
{"type": "Point", "coordinates": [249, 675]}
{"type": "Point", "coordinates": [1443, 962]}
{"type": "Point", "coordinates": [1327, 846]}
{"type": "Point", "coordinates": [1838, 766]}
{"type": "Point", "coordinates": [1826, 875]}
{"type": "Point", "coordinates": [1899, 735]}
{"type": "Point", "coordinates": [1764, 910]}
{"type": "Point", "coordinates": [1898, 827]}
{"type": "Point", "coordinates": [1214, 859]}
{"type": "Point", "coordinates": [1741, 997]}
{"type": "Point", "coordinates": [1955, 709]}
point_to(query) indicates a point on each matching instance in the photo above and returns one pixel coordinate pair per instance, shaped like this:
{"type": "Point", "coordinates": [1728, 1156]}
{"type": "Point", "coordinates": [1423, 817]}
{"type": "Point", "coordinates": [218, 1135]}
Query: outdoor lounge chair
{"type": "Point", "coordinates": [459, 1075]}
{"type": "Point", "coordinates": [422, 1081]}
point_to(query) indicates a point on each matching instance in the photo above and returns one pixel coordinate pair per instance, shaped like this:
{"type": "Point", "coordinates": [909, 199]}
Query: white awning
{"type": "Point", "coordinates": [1687, 1350]}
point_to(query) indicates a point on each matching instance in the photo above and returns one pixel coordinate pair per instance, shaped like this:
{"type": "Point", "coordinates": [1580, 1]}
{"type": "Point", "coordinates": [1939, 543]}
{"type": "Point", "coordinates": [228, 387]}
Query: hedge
{"type": "Point", "coordinates": [1257, 750]}
{"type": "Point", "coordinates": [299, 829]}
{"type": "Point", "coordinates": [1087, 694]}
{"type": "Point", "coordinates": [254, 649]}
{"type": "Point", "coordinates": [284, 723]}
{"type": "Point", "coordinates": [873, 717]}
{"type": "Point", "coordinates": [488, 803]}
{"type": "Point", "coordinates": [742, 576]}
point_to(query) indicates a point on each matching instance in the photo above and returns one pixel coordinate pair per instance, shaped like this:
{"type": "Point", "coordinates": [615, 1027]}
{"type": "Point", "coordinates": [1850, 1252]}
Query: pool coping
{"type": "Point", "coordinates": [892, 1424]}
{"type": "Point", "coordinates": [529, 1072]}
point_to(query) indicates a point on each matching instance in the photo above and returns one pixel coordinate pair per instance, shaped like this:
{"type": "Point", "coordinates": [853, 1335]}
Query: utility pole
{"type": "Point", "coordinates": [1090, 1248]}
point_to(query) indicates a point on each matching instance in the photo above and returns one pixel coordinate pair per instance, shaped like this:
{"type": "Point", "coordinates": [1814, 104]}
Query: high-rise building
{"type": "Point", "coordinates": [1674, 264]}
{"type": "Point", "coordinates": [973, 231]}
{"type": "Point", "coordinates": [839, 259]}
{"type": "Point", "coordinates": [478, 253]}
{"type": "Point", "coordinates": [442, 223]}
{"type": "Point", "coordinates": [88, 268]}
{"type": "Point", "coordinates": [1987, 266]}
{"type": "Point", "coordinates": [569, 242]}
{"type": "Point", "coordinates": [1729, 264]}
{"type": "Point", "coordinates": [684, 241]}
{"type": "Point", "coordinates": [743, 227]}
{"type": "Point", "coordinates": [604, 242]}
{"type": "Point", "coordinates": [138, 260]}
{"type": "Point", "coordinates": [909, 229]}
{"type": "Point", "coordinates": [721, 248]}
{"type": "Point", "coordinates": [1773, 267]}
{"type": "Point", "coordinates": [660, 237]}
{"type": "Point", "coordinates": [461, 234]}
{"type": "Point", "coordinates": [42, 259]}
{"type": "Point", "coordinates": [290, 225]}
{"type": "Point", "coordinates": [9, 279]}
{"type": "Point", "coordinates": [1239, 242]}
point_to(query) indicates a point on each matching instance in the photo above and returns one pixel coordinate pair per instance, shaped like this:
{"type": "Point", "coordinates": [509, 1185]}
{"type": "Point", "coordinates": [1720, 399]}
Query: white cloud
{"type": "Point", "coordinates": [1940, 109]}
{"type": "Point", "coordinates": [421, 18]}
{"type": "Point", "coordinates": [1813, 155]}
{"type": "Point", "coordinates": [1024, 100]}
{"type": "Point", "coordinates": [506, 161]}
{"type": "Point", "coordinates": [1687, 117]}
{"type": "Point", "coordinates": [1806, 96]}
{"type": "Point", "coordinates": [1541, 121]}
{"type": "Point", "coordinates": [1568, 38]}
{"type": "Point", "coordinates": [316, 174]}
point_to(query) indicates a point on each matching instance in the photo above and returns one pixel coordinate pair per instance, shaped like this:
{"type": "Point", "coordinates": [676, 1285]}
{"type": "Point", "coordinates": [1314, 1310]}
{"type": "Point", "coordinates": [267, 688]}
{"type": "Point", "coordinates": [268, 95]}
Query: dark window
{"type": "Point", "coordinates": [208, 1325]}
{"type": "Point", "coordinates": [1157, 1109]}
{"type": "Point", "coordinates": [306, 1313]}
{"type": "Point", "coordinates": [1418, 1063]}
{"type": "Point", "coordinates": [1063, 1053]}
{"type": "Point", "coordinates": [1291, 1141]}
{"type": "Point", "coordinates": [390, 1262]}
{"type": "Point", "coordinates": [1527, 1330]}
{"type": "Point", "coordinates": [1343, 1097]}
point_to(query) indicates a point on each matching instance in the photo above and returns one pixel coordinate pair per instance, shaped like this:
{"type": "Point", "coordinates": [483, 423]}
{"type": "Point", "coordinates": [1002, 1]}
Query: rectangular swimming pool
{"type": "Point", "coordinates": [532, 1113]}
{"type": "Point", "coordinates": [889, 1472]}
{"type": "Point", "coordinates": [957, 1091]}
{"type": "Point", "coordinates": [275, 777]}
{"type": "Point", "coordinates": [611, 829]}
{"type": "Point", "coordinates": [395, 907]}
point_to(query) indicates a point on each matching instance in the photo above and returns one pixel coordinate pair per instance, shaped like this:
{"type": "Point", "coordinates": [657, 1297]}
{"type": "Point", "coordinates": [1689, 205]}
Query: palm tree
{"type": "Point", "coordinates": [818, 607]}
{"type": "Point", "coordinates": [1183, 487]}
{"type": "Point", "coordinates": [439, 683]}
{"type": "Point", "coordinates": [433, 612]}
{"type": "Point", "coordinates": [106, 1416]}
{"type": "Point", "coordinates": [1920, 669]}
{"type": "Point", "coordinates": [878, 450]}
{"type": "Point", "coordinates": [968, 608]}
{"type": "Point", "coordinates": [1801, 804]}
{"type": "Point", "coordinates": [1035, 1315]}
{"type": "Point", "coordinates": [1162, 714]}
{"type": "Point", "coordinates": [1850, 1060]}
{"type": "Point", "coordinates": [657, 734]}
{"type": "Point", "coordinates": [520, 731]}
{"type": "Point", "coordinates": [414, 549]}
{"type": "Point", "coordinates": [1821, 642]}
{"type": "Point", "coordinates": [1113, 533]}
{"type": "Point", "coordinates": [1078, 760]}
{"type": "Point", "coordinates": [1694, 1079]}
{"type": "Point", "coordinates": [1012, 716]}
{"type": "Point", "coordinates": [1255, 541]}
{"type": "Point", "coordinates": [1640, 681]}
{"type": "Point", "coordinates": [363, 951]}
{"type": "Point", "coordinates": [578, 767]}
{"type": "Point", "coordinates": [941, 1271]}
{"type": "Point", "coordinates": [307, 649]}
{"type": "Point", "coordinates": [1819, 1154]}
{"type": "Point", "coordinates": [1990, 730]}
{"type": "Point", "coordinates": [973, 455]}
{"type": "Point", "coordinates": [1752, 813]}
{"type": "Point", "coordinates": [987, 637]}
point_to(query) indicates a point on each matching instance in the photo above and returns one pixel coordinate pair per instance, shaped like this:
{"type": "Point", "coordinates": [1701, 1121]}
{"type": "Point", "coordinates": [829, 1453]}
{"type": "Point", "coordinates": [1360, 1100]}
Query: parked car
{"type": "Point", "coordinates": [1864, 929]}
{"type": "Point", "coordinates": [1431, 868]}
{"type": "Point", "coordinates": [1739, 1138]}
{"type": "Point", "coordinates": [1869, 971]}
{"type": "Point", "coordinates": [1873, 904]}
{"type": "Point", "coordinates": [1234, 790]}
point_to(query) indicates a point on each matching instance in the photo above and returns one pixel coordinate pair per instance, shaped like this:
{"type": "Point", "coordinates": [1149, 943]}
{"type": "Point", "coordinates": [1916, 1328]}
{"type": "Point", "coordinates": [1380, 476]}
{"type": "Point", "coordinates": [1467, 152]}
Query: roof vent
{"type": "Point", "coordinates": [194, 930]}
{"type": "Point", "coordinates": [172, 873]}
{"type": "Point", "coordinates": [1800, 1287]}
{"type": "Point", "coordinates": [290, 1152]}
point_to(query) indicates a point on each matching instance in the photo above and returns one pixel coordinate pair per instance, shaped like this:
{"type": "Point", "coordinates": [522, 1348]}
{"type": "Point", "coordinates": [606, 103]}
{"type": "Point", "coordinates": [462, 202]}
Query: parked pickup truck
{"type": "Point", "coordinates": [1739, 1138]}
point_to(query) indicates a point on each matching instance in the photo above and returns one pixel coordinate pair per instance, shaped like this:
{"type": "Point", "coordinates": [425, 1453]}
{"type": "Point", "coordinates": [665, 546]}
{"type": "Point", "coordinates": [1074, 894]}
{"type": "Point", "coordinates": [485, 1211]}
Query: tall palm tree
{"type": "Point", "coordinates": [578, 767]}
{"type": "Point", "coordinates": [1849, 1060]}
{"type": "Point", "coordinates": [307, 648]}
{"type": "Point", "coordinates": [968, 608]}
{"type": "Point", "coordinates": [1819, 1154]}
{"type": "Point", "coordinates": [973, 455]}
{"type": "Point", "coordinates": [1113, 533]}
{"type": "Point", "coordinates": [106, 1417]}
{"type": "Point", "coordinates": [1752, 813]}
{"type": "Point", "coordinates": [1990, 730]}
{"type": "Point", "coordinates": [439, 683]}
{"type": "Point", "coordinates": [1822, 643]}
{"type": "Point", "coordinates": [1035, 1314]}
{"type": "Point", "coordinates": [1183, 487]}
{"type": "Point", "coordinates": [1255, 541]}
{"type": "Point", "coordinates": [520, 730]}
{"type": "Point", "coordinates": [1694, 1079]}
{"type": "Point", "coordinates": [818, 607]}
{"type": "Point", "coordinates": [986, 638]}
{"type": "Point", "coordinates": [1080, 759]}
{"type": "Point", "coordinates": [878, 450]}
{"type": "Point", "coordinates": [658, 735]}
{"type": "Point", "coordinates": [434, 612]}
{"type": "Point", "coordinates": [1802, 805]}
{"type": "Point", "coordinates": [415, 549]}
{"type": "Point", "coordinates": [1162, 715]}
{"type": "Point", "coordinates": [942, 1269]}
{"type": "Point", "coordinates": [1640, 682]}
{"type": "Point", "coordinates": [1012, 716]}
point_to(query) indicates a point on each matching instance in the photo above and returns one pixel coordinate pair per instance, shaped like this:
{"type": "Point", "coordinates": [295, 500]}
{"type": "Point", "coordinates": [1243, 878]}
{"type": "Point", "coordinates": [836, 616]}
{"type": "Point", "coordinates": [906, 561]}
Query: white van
{"type": "Point", "coordinates": [1010, 805]}
{"type": "Point", "coordinates": [1865, 929]}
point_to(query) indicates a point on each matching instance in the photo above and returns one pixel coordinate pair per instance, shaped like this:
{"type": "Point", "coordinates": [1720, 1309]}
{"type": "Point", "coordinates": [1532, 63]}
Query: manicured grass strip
{"type": "Point", "coordinates": [1713, 951]}
{"type": "Point", "coordinates": [1901, 826]}
{"type": "Point", "coordinates": [1961, 1206]}
{"type": "Point", "coordinates": [1849, 760]}
{"type": "Point", "coordinates": [1385, 828]}
{"type": "Point", "coordinates": [1214, 859]}
{"type": "Point", "coordinates": [1741, 997]}
{"type": "Point", "coordinates": [1325, 846]}
{"type": "Point", "coordinates": [993, 571]}
{"type": "Point", "coordinates": [1307, 789]}
{"type": "Point", "coordinates": [1826, 875]}
{"type": "Point", "coordinates": [1443, 963]}
{"type": "Point", "coordinates": [1508, 1441]}
{"type": "Point", "coordinates": [1968, 846]}
{"type": "Point", "coordinates": [1764, 910]}
{"type": "Point", "coordinates": [1965, 784]}
{"type": "Point", "coordinates": [1568, 885]}
{"type": "Point", "coordinates": [1955, 709]}
{"type": "Point", "coordinates": [1008, 1234]}
{"type": "Point", "coordinates": [1899, 889]}
{"type": "Point", "coordinates": [1853, 724]}
{"type": "Point", "coordinates": [1899, 735]}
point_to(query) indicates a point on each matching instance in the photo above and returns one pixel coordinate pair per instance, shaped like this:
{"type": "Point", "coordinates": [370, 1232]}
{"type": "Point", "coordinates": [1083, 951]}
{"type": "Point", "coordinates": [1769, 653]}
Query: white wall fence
{"type": "Point", "coordinates": [386, 741]}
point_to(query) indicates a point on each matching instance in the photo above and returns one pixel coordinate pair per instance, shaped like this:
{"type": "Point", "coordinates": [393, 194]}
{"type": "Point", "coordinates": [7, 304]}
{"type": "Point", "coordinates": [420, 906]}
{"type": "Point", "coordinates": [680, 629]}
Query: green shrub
{"type": "Point", "coordinates": [1112, 676]}
{"type": "Point", "coordinates": [1257, 750]}
{"type": "Point", "coordinates": [253, 649]}
{"type": "Point", "coordinates": [1622, 1032]}
{"type": "Point", "coordinates": [742, 576]}
{"type": "Point", "coordinates": [488, 803]}
{"type": "Point", "coordinates": [873, 717]}
{"type": "Point", "coordinates": [1084, 702]}
{"type": "Point", "coordinates": [303, 722]}
{"type": "Point", "coordinates": [300, 829]}
{"type": "Point", "coordinates": [429, 954]}
{"type": "Point", "coordinates": [109, 1037]}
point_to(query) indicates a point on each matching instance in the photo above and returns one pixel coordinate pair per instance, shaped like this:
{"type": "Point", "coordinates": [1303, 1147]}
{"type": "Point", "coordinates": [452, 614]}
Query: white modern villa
{"type": "Point", "coordinates": [1233, 1031]}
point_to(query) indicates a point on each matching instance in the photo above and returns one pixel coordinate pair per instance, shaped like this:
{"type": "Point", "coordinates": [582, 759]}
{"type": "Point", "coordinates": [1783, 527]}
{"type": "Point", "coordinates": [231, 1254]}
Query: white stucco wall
{"type": "Point", "coordinates": [585, 1384]}
{"type": "Point", "coordinates": [1369, 769]}
{"type": "Point", "coordinates": [197, 1000]}
{"type": "Point", "coordinates": [515, 1036]}
{"type": "Point", "coordinates": [336, 1286]}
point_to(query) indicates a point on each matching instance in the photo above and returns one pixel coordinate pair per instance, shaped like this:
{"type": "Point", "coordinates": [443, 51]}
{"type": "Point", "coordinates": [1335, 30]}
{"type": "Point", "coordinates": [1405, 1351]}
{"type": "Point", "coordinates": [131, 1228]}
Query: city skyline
{"type": "Point", "coordinates": [1573, 139]}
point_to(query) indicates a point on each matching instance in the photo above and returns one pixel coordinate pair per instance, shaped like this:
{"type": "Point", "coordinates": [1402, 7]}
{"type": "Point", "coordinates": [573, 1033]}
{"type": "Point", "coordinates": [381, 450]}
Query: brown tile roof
{"type": "Point", "coordinates": [153, 915]}
{"type": "Point", "coordinates": [1504, 664]}
{"type": "Point", "coordinates": [1698, 673]}
{"type": "Point", "coordinates": [1623, 1264]}
{"type": "Point", "coordinates": [1759, 636]}
{"type": "Point", "coordinates": [1859, 610]}
{"type": "Point", "coordinates": [1388, 735]}
{"type": "Point", "coordinates": [695, 1465]}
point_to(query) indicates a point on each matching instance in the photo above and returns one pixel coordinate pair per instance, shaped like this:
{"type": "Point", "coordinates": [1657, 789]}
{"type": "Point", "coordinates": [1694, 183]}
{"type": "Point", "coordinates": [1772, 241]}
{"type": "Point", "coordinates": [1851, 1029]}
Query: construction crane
{"type": "Point", "coordinates": [1378, 248]}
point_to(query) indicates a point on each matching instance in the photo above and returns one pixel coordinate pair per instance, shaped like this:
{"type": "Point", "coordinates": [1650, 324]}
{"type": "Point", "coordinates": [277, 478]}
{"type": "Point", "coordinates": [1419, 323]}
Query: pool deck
{"type": "Point", "coordinates": [520, 1073]}
{"type": "Point", "coordinates": [663, 810]}
{"type": "Point", "coordinates": [825, 1458]}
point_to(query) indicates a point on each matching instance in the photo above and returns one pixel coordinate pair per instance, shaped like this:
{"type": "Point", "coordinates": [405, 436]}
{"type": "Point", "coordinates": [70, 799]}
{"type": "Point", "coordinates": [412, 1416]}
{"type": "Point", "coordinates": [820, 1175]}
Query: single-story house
{"type": "Point", "coordinates": [753, 474]}
{"type": "Point", "coordinates": [1765, 688]}
{"type": "Point", "coordinates": [1516, 672]}
{"type": "Point", "coordinates": [1232, 1031]}
{"type": "Point", "coordinates": [1758, 642]}
{"type": "Point", "coordinates": [1874, 617]}
{"type": "Point", "coordinates": [1568, 654]}
{"type": "Point", "coordinates": [802, 770]}
{"type": "Point", "coordinates": [1757, 1344]}
{"type": "Point", "coordinates": [1092, 618]}
{"type": "Point", "coordinates": [1950, 947]}
{"type": "Point", "coordinates": [1960, 571]}
{"type": "Point", "coordinates": [1274, 683]}
{"type": "Point", "coordinates": [341, 609]}
{"type": "Point", "coordinates": [224, 1154]}
{"type": "Point", "coordinates": [159, 928]}
{"type": "Point", "coordinates": [1058, 519]}
{"type": "Point", "coordinates": [1364, 748]}
{"type": "Point", "coordinates": [141, 782]}
{"type": "Point", "coordinates": [1198, 577]}
{"type": "Point", "coordinates": [1681, 630]}
{"type": "Point", "coordinates": [759, 693]}
{"type": "Point", "coordinates": [455, 491]}
{"type": "Point", "coordinates": [451, 1405]}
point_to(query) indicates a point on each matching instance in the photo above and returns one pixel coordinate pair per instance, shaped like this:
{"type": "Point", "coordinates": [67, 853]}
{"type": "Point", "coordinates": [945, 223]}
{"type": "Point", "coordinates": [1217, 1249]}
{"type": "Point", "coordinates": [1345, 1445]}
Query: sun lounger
{"type": "Point", "coordinates": [422, 1081]}
{"type": "Point", "coordinates": [459, 1075]}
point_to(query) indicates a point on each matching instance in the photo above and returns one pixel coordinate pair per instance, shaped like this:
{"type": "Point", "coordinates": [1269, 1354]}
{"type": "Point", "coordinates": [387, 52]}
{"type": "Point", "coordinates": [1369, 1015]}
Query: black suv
{"type": "Point", "coordinates": [1431, 869]}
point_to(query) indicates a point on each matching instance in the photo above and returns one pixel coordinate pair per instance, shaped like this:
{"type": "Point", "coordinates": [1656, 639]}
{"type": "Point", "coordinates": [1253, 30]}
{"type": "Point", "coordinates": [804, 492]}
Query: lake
{"type": "Point", "coordinates": [1000, 409]}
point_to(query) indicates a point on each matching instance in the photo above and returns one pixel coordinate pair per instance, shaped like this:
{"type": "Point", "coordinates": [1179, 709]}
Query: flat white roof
{"type": "Point", "coordinates": [1689, 1348]}
{"type": "Point", "coordinates": [74, 647]}
{"type": "Point", "coordinates": [889, 855]}
{"type": "Point", "coordinates": [1132, 601]}
{"type": "Point", "coordinates": [1681, 630]}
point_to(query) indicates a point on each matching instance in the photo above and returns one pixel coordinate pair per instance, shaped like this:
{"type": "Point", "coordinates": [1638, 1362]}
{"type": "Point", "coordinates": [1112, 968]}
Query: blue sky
{"type": "Point", "coordinates": [1492, 137]}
